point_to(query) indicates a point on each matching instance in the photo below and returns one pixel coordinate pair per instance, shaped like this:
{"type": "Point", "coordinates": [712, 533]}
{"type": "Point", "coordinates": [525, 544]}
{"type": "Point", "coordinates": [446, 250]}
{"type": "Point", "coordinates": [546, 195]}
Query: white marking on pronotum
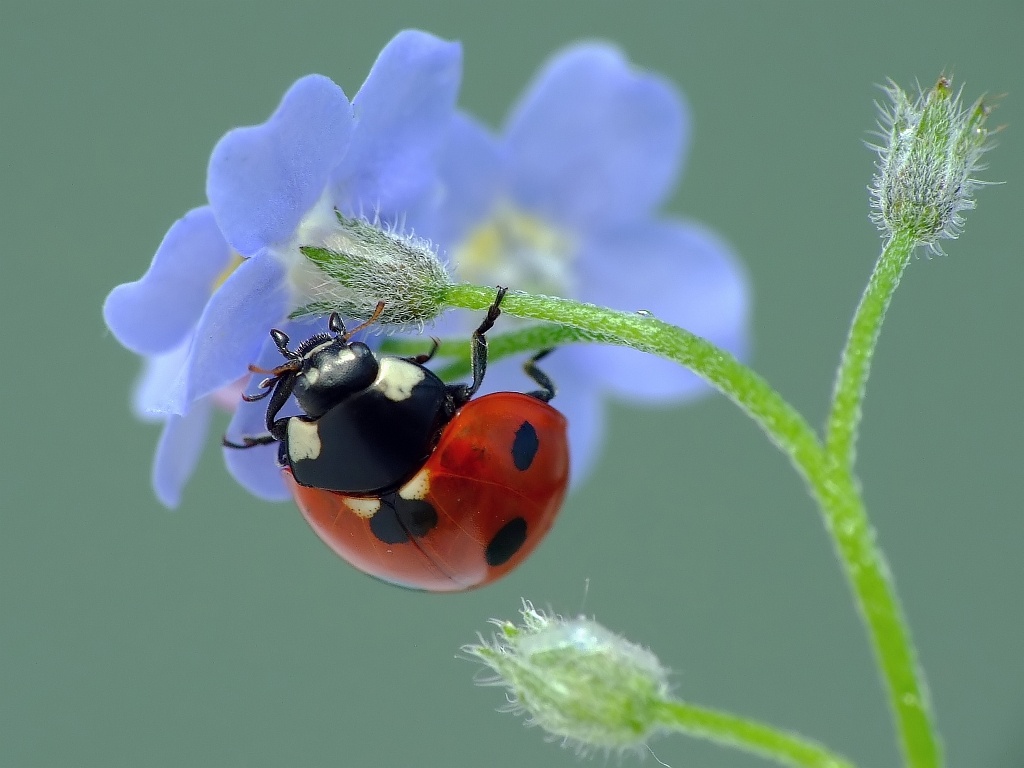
{"type": "Point", "coordinates": [343, 356]}
{"type": "Point", "coordinates": [303, 439]}
{"type": "Point", "coordinates": [397, 378]}
{"type": "Point", "coordinates": [418, 487]}
{"type": "Point", "coordinates": [317, 348]}
{"type": "Point", "coordinates": [363, 507]}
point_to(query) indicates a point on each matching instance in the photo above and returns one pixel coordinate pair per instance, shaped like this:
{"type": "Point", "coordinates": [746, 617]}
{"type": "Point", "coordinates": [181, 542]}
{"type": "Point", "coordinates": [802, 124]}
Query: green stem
{"type": "Point", "coordinates": [888, 628]}
{"type": "Point", "coordinates": [852, 376]}
{"type": "Point", "coordinates": [832, 485]}
{"type": "Point", "coordinates": [847, 522]}
{"type": "Point", "coordinates": [779, 420]}
{"type": "Point", "coordinates": [747, 735]}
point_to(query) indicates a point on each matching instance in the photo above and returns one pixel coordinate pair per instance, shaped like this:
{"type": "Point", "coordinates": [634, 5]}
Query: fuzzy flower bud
{"type": "Point", "coordinates": [576, 680]}
{"type": "Point", "coordinates": [930, 148]}
{"type": "Point", "coordinates": [358, 263]}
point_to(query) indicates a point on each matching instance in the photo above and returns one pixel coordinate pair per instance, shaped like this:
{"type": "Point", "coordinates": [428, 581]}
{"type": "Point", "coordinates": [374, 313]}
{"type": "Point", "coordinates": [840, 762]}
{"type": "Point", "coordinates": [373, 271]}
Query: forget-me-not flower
{"type": "Point", "coordinates": [565, 203]}
{"type": "Point", "coordinates": [228, 272]}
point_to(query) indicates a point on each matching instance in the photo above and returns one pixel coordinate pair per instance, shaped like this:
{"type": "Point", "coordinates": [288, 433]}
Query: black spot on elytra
{"type": "Point", "coordinates": [399, 519]}
{"type": "Point", "coordinates": [506, 542]}
{"type": "Point", "coordinates": [524, 447]}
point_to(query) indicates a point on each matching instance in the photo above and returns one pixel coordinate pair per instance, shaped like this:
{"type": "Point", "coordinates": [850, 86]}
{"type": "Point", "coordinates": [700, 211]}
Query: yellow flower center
{"type": "Point", "coordinates": [233, 264]}
{"type": "Point", "coordinates": [518, 250]}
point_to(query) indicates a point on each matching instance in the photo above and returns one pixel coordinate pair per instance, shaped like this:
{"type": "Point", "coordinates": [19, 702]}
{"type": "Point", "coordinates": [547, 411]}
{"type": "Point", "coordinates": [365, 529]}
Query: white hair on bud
{"type": "Point", "coordinates": [358, 262]}
{"type": "Point", "coordinates": [584, 685]}
{"type": "Point", "coordinates": [928, 148]}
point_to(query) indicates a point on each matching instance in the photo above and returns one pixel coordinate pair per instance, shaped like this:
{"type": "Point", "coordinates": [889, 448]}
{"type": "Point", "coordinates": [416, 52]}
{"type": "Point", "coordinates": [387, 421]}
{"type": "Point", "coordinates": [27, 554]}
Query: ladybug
{"type": "Point", "coordinates": [409, 479]}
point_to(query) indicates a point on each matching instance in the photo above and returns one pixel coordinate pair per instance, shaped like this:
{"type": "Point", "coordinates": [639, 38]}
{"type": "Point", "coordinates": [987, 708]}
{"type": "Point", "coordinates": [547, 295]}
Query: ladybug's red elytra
{"type": "Point", "coordinates": [409, 479]}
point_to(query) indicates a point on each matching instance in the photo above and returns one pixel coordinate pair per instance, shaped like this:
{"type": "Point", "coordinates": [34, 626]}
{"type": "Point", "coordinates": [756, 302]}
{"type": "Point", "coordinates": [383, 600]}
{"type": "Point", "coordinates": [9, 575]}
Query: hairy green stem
{"type": "Point", "coordinates": [889, 629]}
{"type": "Point", "coordinates": [852, 377]}
{"type": "Point", "coordinates": [747, 735]}
{"type": "Point", "coordinates": [831, 484]}
{"type": "Point", "coordinates": [871, 580]}
{"type": "Point", "coordinates": [780, 421]}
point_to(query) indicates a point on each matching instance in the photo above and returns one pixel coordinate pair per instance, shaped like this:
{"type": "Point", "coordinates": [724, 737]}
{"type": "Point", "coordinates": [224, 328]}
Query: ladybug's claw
{"type": "Point", "coordinates": [259, 395]}
{"type": "Point", "coordinates": [248, 442]}
{"type": "Point", "coordinates": [493, 311]}
{"type": "Point", "coordinates": [267, 385]}
{"type": "Point", "coordinates": [427, 356]}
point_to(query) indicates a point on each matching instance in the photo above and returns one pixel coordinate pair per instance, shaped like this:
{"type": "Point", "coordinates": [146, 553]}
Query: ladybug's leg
{"type": "Point", "coordinates": [275, 426]}
{"type": "Point", "coordinates": [461, 393]}
{"type": "Point", "coordinates": [547, 386]}
{"type": "Point", "coordinates": [282, 391]}
{"type": "Point", "coordinates": [427, 357]}
{"type": "Point", "coordinates": [280, 385]}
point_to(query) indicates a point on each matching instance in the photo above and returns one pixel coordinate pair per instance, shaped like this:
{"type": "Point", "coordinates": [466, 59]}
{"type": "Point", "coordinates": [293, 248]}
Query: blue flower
{"type": "Point", "coordinates": [565, 203]}
{"type": "Point", "coordinates": [228, 272]}
{"type": "Point", "coordinates": [183, 436]}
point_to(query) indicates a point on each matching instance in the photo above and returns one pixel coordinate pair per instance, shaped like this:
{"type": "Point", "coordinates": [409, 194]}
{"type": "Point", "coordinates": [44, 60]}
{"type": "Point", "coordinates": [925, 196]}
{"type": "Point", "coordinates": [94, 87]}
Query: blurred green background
{"type": "Point", "coordinates": [226, 634]}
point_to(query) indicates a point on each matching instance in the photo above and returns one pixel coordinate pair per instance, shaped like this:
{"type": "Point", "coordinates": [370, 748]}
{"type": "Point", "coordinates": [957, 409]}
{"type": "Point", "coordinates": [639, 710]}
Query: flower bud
{"type": "Point", "coordinates": [930, 148]}
{"type": "Point", "coordinates": [355, 263]}
{"type": "Point", "coordinates": [575, 679]}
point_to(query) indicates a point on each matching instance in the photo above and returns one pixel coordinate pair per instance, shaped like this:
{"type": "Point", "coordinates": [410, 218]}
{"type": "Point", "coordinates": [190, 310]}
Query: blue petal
{"type": "Point", "coordinates": [681, 273]}
{"type": "Point", "coordinates": [154, 395]}
{"type": "Point", "coordinates": [593, 142]}
{"type": "Point", "coordinates": [470, 170]}
{"type": "Point", "coordinates": [262, 179]}
{"type": "Point", "coordinates": [257, 471]}
{"type": "Point", "coordinates": [580, 402]}
{"type": "Point", "coordinates": [233, 328]}
{"type": "Point", "coordinates": [586, 415]}
{"type": "Point", "coordinates": [156, 312]}
{"type": "Point", "coordinates": [178, 451]}
{"type": "Point", "coordinates": [402, 112]}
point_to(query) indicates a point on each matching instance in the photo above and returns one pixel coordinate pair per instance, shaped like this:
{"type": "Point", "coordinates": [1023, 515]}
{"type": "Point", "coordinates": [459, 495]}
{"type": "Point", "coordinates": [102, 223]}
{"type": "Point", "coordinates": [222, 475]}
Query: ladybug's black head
{"type": "Point", "coordinates": [332, 370]}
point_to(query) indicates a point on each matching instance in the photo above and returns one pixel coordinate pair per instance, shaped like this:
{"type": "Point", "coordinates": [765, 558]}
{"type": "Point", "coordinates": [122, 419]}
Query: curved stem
{"type": "Point", "coordinates": [831, 484]}
{"type": "Point", "coordinates": [779, 420]}
{"type": "Point", "coordinates": [851, 379]}
{"type": "Point", "coordinates": [747, 735]}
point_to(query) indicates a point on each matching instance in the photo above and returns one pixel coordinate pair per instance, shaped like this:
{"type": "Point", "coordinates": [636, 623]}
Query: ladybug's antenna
{"type": "Point", "coordinates": [373, 319]}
